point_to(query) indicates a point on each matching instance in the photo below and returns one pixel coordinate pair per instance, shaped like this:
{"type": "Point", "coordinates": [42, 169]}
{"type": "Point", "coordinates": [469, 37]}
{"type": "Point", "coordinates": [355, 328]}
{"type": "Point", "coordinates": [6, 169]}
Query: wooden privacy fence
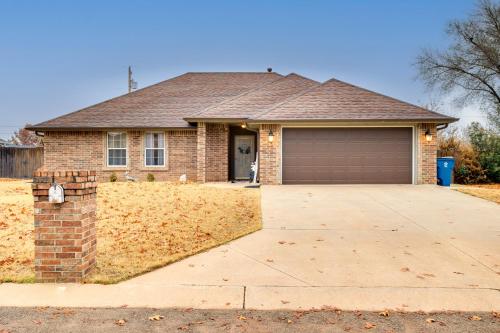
{"type": "Point", "coordinates": [20, 162]}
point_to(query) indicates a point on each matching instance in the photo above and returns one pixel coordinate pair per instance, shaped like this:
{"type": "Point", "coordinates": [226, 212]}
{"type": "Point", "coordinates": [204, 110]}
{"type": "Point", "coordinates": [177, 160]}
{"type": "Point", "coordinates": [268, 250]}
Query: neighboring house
{"type": "Point", "coordinates": [210, 126]}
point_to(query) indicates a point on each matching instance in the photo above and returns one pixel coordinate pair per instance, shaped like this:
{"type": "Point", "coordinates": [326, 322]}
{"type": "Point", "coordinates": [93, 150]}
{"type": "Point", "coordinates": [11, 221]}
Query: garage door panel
{"type": "Point", "coordinates": [347, 155]}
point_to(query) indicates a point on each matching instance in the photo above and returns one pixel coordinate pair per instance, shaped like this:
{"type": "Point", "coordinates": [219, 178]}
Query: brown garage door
{"type": "Point", "coordinates": [347, 155]}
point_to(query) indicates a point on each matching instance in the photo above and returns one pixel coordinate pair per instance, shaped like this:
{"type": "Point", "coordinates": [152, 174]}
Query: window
{"type": "Point", "coordinates": [155, 149]}
{"type": "Point", "coordinates": [117, 149]}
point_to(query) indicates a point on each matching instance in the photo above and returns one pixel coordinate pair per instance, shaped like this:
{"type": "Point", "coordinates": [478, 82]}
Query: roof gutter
{"type": "Point", "coordinates": [274, 121]}
{"type": "Point", "coordinates": [443, 126]}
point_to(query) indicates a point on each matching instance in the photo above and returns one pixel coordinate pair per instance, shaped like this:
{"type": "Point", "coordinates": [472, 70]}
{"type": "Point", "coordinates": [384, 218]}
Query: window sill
{"type": "Point", "coordinates": [117, 168]}
{"type": "Point", "coordinates": [154, 168]}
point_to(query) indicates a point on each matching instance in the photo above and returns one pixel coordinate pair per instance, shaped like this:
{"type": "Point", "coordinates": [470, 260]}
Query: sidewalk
{"type": "Point", "coordinates": [257, 298]}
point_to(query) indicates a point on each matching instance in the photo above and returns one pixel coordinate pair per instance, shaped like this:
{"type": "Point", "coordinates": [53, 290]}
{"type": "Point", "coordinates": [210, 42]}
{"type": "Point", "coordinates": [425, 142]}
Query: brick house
{"type": "Point", "coordinates": [212, 126]}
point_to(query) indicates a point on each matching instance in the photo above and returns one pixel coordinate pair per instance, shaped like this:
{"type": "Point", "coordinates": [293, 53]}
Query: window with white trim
{"type": "Point", "coordinates": [117, 149]}
{"type": "Point", "coordinates": [154, 149]}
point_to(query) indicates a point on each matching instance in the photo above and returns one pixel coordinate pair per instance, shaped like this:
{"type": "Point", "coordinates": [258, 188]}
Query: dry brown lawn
{"type": "Point", "coordinates": [489, 192]}
{"type": "Point", "coordinates": [141, 226]}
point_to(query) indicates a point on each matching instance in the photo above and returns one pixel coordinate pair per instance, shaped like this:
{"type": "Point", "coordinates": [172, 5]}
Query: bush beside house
{"type": "Point", "coordinates": [476, 152]}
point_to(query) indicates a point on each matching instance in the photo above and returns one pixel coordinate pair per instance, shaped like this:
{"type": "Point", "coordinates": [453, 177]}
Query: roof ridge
{"type": "Point", "coordinates": [239, 72]}
{"type": "Point", "coordinates": [211, 107]}
{"type": "Point", "coordinates": [383, 95]}
{"type": "Point", "coordinates": [297, 95]}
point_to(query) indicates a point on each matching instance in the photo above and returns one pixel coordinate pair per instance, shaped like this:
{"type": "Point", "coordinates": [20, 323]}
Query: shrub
{"type": "Point", "coordinates": [467, 168]}
{"type": "Point", "coordinates": [150, 177]}
{"type": "Point", "coordinates": [486, 143]}
{"type": "Point", "coordinates": [113, 178]}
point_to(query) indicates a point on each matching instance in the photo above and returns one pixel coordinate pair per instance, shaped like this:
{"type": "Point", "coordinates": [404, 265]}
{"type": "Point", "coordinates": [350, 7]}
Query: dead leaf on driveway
{"type": "Point", "coordinates": [284, 302]}
{"type": "Point", "coordinates": [156, 317]}
{"type": "Point", "coordinates": [269, 260]}
{"type": "Point", "coordinates": [475, 318]}
{"type": "Point", "coordinates": [430, 320]}
{"type": "Point", "coordinates": [428, 275]}
{"type": "Point", "coordinates": [282, 242]}
{"type": "Point", "coordinates": [319, 240]}
{"type": "Point", "coordinates": [405, 269]}
{"type": "Point", "coordinates": [459, 273]}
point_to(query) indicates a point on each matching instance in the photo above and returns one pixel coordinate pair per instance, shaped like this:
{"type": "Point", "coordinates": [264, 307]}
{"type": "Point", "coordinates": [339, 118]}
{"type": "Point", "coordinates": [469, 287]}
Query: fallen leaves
{"type": "Point", "coordinates": [405, 269]}
{"type": "Point", "coordinates": [120, 322]}
{"type": "Point", "coordinates": [369, 325]}
{"type": "Point", "coordinates": [430, 320]}
{"type": "Point", "coordinates": [384, 313]}
{"type": "Point", "coordinates": [475, 318]}
{"type": "Point", "coordinates": [156, 317]}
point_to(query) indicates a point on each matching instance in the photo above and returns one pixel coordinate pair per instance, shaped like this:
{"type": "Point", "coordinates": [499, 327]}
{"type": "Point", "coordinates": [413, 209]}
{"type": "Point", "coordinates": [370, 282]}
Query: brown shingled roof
{"type": "Point", "coordinates": [335, 100]}
{"type": "Point", "coordinates": [162, 105]}
{"type": "Point", "coordinates": [255, 97]}
{"type": "Point", "coordinates": [255, 101]}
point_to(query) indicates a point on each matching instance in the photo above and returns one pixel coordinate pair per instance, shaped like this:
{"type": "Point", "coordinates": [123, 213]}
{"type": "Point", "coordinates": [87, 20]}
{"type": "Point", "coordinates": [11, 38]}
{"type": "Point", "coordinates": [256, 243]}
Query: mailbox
{"type": "Point", "coordinates": [56, 193]}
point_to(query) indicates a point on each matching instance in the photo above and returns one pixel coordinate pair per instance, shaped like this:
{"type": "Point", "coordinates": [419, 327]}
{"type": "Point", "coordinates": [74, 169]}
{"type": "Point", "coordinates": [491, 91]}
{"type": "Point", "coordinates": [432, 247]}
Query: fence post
{"type": "Point", "coordinates": [65, 233]}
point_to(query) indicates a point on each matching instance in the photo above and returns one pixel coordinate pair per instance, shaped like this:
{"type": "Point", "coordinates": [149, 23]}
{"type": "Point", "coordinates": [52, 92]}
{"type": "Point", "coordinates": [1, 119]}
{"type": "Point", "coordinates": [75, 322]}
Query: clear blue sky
{"type": "Point", "coordinates": [59, 56]}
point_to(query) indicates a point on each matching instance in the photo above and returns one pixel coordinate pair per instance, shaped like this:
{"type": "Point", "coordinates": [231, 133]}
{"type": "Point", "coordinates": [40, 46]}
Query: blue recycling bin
{"type": "Point", "coordinates": [445, 170]}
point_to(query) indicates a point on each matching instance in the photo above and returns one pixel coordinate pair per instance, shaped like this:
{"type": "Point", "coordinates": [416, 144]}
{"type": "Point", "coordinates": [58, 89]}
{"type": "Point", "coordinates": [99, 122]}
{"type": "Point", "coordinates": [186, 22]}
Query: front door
{"type": "Point", "coordinates": [244, 152]}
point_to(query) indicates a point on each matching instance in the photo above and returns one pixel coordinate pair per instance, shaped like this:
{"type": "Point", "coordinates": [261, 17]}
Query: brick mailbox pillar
{"type": "Point", "coordinates": [65, 233]}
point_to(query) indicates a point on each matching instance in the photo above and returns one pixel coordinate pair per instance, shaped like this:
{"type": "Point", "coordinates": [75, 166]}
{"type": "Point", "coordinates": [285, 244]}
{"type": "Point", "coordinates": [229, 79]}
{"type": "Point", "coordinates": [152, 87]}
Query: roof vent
{"type": "Point", "coordinates": [269, 69]}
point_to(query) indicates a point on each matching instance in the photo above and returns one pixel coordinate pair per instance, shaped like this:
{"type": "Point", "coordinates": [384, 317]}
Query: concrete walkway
{"type": "Point", "coordinates": [353, 247]}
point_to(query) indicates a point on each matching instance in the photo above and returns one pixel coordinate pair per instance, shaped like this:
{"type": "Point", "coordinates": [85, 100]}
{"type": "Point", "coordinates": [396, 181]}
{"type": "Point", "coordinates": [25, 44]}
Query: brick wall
{"type": "Point", "coordinates": [216, 157]}
{"type": "Point", "coordinates": [87, 150]}
{"type": "Point", "coordinates": [270, 155]}
{"type": "Point", "coordinates": [65, 233]}
{"type": "Point", "coordinates": [426, 154]}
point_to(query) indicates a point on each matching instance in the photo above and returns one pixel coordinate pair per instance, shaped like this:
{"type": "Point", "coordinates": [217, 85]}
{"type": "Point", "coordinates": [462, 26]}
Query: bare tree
{"type": "Point", "coordinates": [471, 64]}
{"type": "Point", "coordinates": [25, 137]}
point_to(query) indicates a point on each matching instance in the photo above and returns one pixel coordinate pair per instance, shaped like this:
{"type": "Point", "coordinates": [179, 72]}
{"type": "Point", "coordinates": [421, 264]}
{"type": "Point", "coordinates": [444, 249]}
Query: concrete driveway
{"type": "Point", "coordinates": [354, 247]}
{"type": "Point", "coordinates": [346, 244]}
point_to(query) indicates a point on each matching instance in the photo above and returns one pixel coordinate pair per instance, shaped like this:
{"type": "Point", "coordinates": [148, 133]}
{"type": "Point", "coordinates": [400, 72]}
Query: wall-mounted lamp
{"type": "Point", "coordinates": [270, 136]}
{"type": "Point", "coordinates": [243, 125]}
{"type": "Point", "coordinates": [428, 135]}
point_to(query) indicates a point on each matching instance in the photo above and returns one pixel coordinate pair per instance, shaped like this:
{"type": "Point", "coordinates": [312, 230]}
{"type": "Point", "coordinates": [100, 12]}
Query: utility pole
{"type": "Point", "coordinates": [132, 85]}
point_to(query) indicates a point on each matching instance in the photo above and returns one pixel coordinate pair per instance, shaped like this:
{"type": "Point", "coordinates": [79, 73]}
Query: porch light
{"type": "Point", "coordinates": [428, 135]}
{"type": "Point", "coordinates": [270, 136]}
{"type": "Point", "coordinates": [244, 125]}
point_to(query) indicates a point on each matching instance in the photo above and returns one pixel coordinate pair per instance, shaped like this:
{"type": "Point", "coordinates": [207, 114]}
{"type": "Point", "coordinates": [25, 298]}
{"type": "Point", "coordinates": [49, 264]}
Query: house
{"type": "Point", "coordinates": [212, 126]}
